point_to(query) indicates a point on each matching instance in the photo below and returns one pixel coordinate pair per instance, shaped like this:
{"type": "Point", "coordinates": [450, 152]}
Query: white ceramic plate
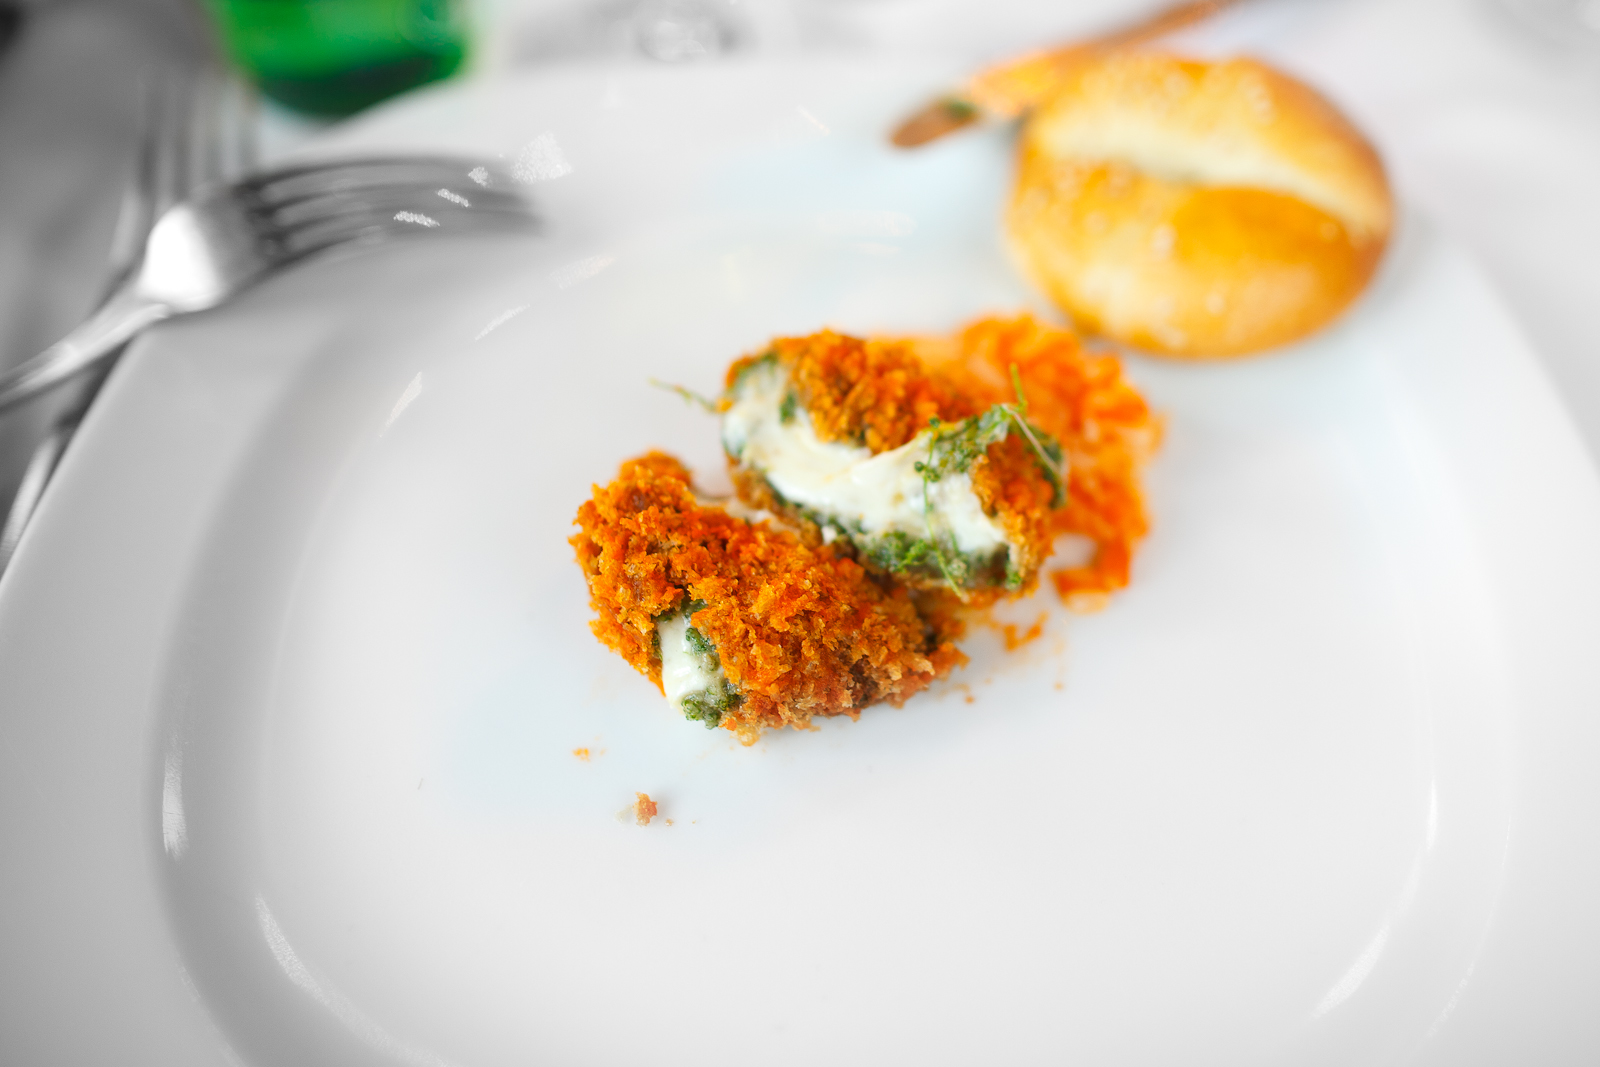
{"type": "Point", "coordinates": [295, 663]}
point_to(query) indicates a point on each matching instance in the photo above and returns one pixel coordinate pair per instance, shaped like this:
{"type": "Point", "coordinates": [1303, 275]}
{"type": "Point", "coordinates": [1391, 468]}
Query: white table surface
{"type": "Point", "coordinates": [1487, 127]}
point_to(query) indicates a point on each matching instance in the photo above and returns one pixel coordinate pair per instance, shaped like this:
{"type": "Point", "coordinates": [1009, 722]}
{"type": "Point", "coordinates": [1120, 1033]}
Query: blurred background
{"type": "Point", "coordinates": [1488, 112]}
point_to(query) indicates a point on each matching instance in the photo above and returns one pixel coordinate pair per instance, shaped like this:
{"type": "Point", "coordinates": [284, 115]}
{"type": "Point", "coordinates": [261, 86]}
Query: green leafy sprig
{"type": "Point", "coordinates": [688, 394]}
{"type": "Point", "coordinates": [953, 450]}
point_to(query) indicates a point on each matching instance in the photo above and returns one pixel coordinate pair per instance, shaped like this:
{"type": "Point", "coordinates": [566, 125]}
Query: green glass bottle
{"type": "Point", "coordinates": [335, 57]}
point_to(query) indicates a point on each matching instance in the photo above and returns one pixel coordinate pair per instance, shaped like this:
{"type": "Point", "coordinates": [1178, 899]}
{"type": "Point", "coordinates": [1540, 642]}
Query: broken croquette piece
{"type": "Point", "coordinates": [644, 809]}
{"type": "Point", "coordinates": [1082, 400]}
{"type": "Point", "coordinates": [743, 625]}
{"type": "Point", "coordinates": [857, 440]}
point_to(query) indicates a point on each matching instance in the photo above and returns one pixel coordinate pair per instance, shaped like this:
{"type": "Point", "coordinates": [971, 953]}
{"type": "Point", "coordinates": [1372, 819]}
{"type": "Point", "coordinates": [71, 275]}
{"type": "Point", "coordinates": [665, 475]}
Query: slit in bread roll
{"type": "Point", "coordinates": [1197, 209]}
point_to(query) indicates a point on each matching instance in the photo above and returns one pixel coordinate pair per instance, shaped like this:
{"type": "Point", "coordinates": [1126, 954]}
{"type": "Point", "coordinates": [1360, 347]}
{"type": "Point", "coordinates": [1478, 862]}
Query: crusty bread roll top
{"type": "Point", "coordinates": [1197, 209]}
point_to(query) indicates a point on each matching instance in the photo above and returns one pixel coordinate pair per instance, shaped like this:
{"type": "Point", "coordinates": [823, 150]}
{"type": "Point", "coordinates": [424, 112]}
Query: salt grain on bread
{"type": "Point", "coordinates": [1197, 209]}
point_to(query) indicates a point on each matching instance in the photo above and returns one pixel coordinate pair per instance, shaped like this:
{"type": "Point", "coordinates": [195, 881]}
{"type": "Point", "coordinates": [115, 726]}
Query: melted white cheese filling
{"type": "Point", "coordinates": [684, 671]}
{"type": "Point", "coordinates": [874, 494]}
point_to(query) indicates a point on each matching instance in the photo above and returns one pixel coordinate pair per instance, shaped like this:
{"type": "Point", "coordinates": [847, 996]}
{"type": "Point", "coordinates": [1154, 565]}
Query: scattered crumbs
{"type": "Point", "coordinates": [1015, 640]}
{"type": "Point", "coordinates": [1082, 603]}
{"type": "Point", "coordinates": [970, 698]}
{"type": "Point", "coordinates": [669, 822]}
{"type": "Point", "coordinates": [644, 809]}
{"type": "Point", "coordinates": [1061, 685]}
{"type": "Point", "coordinates": [581, 753]}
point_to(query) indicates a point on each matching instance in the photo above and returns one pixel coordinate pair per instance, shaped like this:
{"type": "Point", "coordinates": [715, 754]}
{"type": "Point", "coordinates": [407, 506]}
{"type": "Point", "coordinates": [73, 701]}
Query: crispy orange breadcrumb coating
{"type": "Point", "coordinates": [800, 630]}
{"type": "Point", "coordinates": [1104, 426]}
{"type": "Point", "coordinates": [862, 392]}
{"type": "Point", "coordinates": [881, 394]}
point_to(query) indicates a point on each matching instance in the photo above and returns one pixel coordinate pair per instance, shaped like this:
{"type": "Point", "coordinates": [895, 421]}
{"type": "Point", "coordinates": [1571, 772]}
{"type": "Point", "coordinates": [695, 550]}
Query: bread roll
{"type": "Point", "coordinates": [1197, 209]}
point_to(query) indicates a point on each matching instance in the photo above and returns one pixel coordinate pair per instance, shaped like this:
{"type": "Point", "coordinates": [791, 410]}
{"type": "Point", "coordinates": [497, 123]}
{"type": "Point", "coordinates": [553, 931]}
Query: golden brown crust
{"type": "Point", "coordinates": [800, 631]}
{"type": "Point", "coordinates": [1197, 209]}
{"type": "Point", "coordinates": [861, 392]}
{"type": "Point", "coordinates": [1009, 485]}
{"type": "Point", "coordinates": [1104, 426]}
{"type": "Point", "coordinates": [881, 393]}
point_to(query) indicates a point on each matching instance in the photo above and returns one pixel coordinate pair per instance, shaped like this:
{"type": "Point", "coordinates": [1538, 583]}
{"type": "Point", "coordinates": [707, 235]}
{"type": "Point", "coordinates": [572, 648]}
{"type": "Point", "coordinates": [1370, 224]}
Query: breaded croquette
{"type": "Point", "coordinates": [742, 624]}
{"type": "Point", "coordinates": [947, 465]}
{"type": "Point", "coordinates": [1080, 399]}
{"type": "Point", "coordinates": [886, 488]}
{"type": "Point", "coordinates": [856, 441]}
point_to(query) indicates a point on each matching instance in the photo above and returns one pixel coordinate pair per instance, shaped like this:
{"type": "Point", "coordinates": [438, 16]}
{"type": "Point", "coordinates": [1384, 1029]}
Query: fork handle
{"type": "Point", "coordinates": [125, 314]}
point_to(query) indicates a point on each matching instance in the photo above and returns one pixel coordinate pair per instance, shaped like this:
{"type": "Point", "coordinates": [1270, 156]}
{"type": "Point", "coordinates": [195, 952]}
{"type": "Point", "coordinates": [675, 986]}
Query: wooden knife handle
{"type": "Point", "coordinates": [1009, 89]}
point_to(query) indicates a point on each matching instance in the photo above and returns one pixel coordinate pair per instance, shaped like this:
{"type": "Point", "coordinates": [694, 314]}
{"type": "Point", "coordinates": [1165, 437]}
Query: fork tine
{"type": "Point", "coordinates": [373, 225]}
{"type": "Point", "coordinates": [335, 169]}
{"type": "Point", "coordinates": [171, 172]}
{"type": "Point", "coordinates": [136, 213]}
{"type": "Point", "coordinates": [231, 131]}
{"type": "Point", "coordinates": [220, 128]}
{"type": "Point", "coordinates": [386, 202]}
{"type": "Point", "coordinates": [241, 122]}
{"type": "Point", "coordinates": [315, 179]}
{"type": "Point", "coordinates": [389, 199]}
{"type": "Point", "coordinates": [207, 118]}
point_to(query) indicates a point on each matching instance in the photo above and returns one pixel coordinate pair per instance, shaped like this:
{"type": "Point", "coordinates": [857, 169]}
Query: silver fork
{"type": "Point", "coordinates": [207, 249]}
{"type": "Point", "coordinates": [223, 239]}
{"type": "Point", "coordinates": [195, 129]}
